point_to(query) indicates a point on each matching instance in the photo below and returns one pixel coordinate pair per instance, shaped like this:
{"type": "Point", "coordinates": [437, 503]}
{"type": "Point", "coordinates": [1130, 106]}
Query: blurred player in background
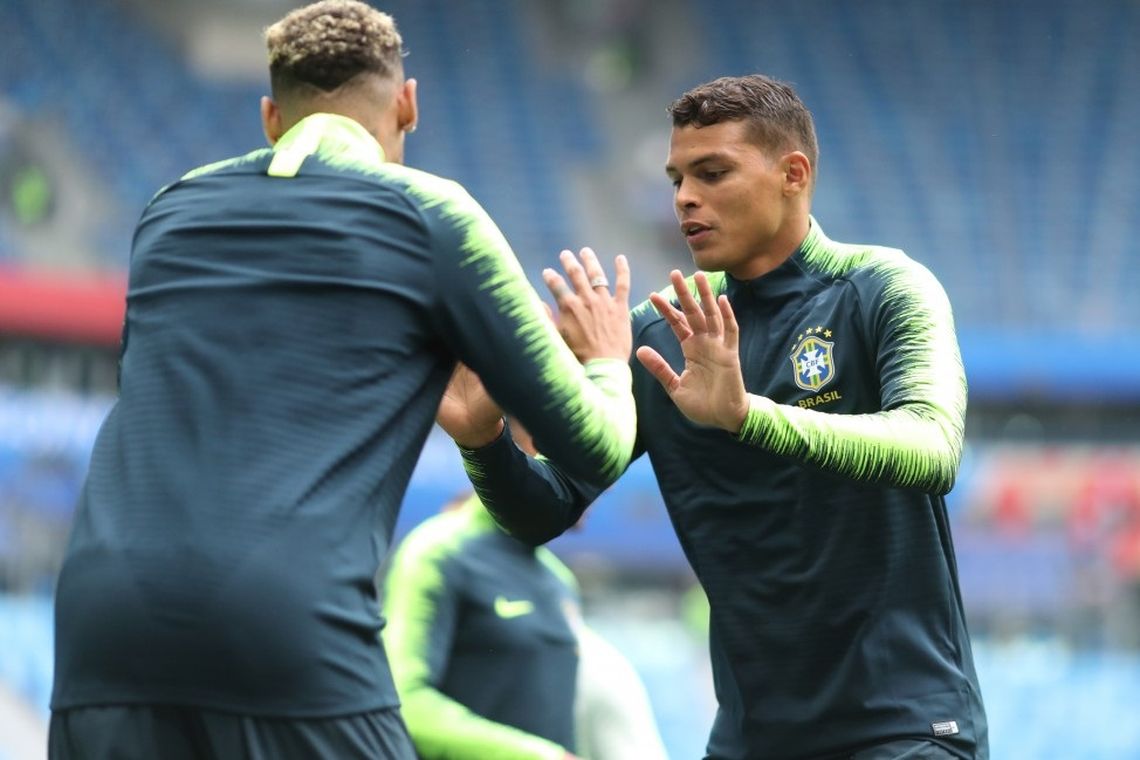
{"type": "Point", "coordinates": [293, 317]}
{"type": "Point", "coordinates": [482, 653]}
{"type": "Point", "coordinates": [490, 655]}
{"type": "Point", "coordinates": [802, 402]}
{"type": "Point", "coordinates": [612, 712]}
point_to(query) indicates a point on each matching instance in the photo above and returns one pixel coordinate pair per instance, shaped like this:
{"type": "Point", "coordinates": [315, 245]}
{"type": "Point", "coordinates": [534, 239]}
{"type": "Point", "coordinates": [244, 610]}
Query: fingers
{"type": "Point", "coordinates": [556, 285]}
{"type": "Point", "coordinates": [689, 305]}
{"type": "Point", "coordinates": [709, 306]}
{"type": "Point", "coordinates": [731, 328]}
{"type": "Point", "coordinates": [596, 276]}
{"type": "Point", "coordinates": [657, 366]}
{"type": "Point", "coordinates": [576, 272]}
{"type": "Point", "coordinates": [585, 277]}
{"type": "Point", "coordinates": [621, 284]}
{"type": "Point", "coordinates": [702, 315]}
{"type": "Point", "coordinates": [675, 318]}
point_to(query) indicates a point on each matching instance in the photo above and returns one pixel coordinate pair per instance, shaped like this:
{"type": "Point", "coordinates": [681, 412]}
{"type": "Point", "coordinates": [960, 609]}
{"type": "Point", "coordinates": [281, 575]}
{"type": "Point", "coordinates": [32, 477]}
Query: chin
{"type": "Point", "coordinates": [707, 262]}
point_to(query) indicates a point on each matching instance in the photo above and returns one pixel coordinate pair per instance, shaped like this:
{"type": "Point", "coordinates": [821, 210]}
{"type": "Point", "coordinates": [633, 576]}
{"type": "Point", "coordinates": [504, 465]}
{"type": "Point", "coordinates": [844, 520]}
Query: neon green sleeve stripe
{"type": "Point", "coordinates": [912, 447]}
{"type": "Point", "coordinates": [917, 440]}
{"type": "Point", "coordinates": [443, 729]}
{"type": "Point", "coordinates": [439, 726]}
{"type": "Point", "coordinates": [558, 567]}
{"type": "Point", "coordinates": [572, 409]}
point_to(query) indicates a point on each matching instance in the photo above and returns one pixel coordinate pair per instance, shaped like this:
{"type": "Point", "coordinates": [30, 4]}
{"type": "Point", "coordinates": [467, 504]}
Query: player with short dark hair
{"type": "Point", "coordinates": [293, 317]}
{"type": "Point", "coordinates": [802, 402]}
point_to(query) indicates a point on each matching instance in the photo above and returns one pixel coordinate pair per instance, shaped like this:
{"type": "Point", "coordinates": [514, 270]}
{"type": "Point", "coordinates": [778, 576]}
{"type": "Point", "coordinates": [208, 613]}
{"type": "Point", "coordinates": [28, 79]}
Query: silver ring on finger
{"type": "Point", "coordinates": [599, 282]}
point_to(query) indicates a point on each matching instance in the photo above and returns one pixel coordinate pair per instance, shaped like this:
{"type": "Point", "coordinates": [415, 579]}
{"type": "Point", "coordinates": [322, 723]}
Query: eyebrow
{"type": "Point", "coordinates": [706, 158]}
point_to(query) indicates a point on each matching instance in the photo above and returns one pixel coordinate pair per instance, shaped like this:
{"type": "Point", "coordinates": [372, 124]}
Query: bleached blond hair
{"type": "Point", "coordinates": [328, 43]}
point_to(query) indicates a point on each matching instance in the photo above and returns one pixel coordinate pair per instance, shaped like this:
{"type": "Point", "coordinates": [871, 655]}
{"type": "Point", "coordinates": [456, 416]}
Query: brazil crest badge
{"type": "Point", "coordinates": [813, 362]}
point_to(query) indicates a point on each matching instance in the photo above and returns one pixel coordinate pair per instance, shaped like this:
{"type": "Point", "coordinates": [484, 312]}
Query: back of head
{"type": "Point", "coordinates": [331, 45]}
{"type": "Point", "coordinates": [778, 119]}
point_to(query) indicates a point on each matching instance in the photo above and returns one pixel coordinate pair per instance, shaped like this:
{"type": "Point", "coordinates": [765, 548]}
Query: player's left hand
{"type": "Point", "coordinates": [594, 323]}
{"type": "Point", "coordinates": [467, 412]}
{"type": "Point", "coordinates": [710, 389]}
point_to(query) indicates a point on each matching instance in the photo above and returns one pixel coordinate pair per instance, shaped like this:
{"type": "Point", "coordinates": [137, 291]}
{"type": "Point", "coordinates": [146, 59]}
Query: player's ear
{"type": "Point", "coordinates": [797, 173]}
{"type": "Point", "coordinates": [407, 109]}
{"type": "Point", "coordinates": [271, 120]}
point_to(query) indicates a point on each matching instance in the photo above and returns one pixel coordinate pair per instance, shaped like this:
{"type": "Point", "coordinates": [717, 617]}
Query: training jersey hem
{"type": "Point", "coordinates": [221, 706]}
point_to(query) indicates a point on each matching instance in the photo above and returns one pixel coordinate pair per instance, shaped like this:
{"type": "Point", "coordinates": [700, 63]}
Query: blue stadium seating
{"type": "Point", "coordinates": [491, 117]}
{"type": "Point", "coordinates": [993, 141]}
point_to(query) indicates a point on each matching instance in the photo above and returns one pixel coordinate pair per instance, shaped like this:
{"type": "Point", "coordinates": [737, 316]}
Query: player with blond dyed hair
{"type": "Point", "coordinates": [293, 317]}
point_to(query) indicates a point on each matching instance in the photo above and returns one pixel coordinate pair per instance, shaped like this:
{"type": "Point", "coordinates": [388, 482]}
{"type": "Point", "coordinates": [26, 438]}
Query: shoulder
{"type": "Point", "coordinates": [558, 568]}
{"type": "Point", "coordinates": [429, 190]}
{"type": "Point", "coordinates": [434, 542]}
{"type": "Point", "coordinates": [254, 161]}
{"type": "Point", "coordinates": [877, 272]}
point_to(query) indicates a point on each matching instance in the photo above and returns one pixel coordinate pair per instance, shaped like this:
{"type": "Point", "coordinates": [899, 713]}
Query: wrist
{"type": "Point", "coordinates": [477, 439]}
{"type": "Point", "coordinates": [734, 422]}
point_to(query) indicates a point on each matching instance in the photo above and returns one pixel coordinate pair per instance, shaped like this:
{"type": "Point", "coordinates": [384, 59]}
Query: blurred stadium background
{"type": "Point", "coordinates": [997, 141]}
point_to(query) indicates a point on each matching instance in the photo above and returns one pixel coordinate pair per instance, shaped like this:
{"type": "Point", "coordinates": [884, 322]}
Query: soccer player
{"type": "Point", "coordinates": [802, 402]}
{"type": "Point", "coordinates": [481, 647]}
{"type": "Point", "coordinates": [293, 316]}
{"type": "Point", "coordinates": [490, 655]}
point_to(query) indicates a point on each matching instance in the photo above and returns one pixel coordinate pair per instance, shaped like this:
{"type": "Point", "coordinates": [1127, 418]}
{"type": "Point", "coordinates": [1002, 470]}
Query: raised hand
{"type": "Point", "coordinates": [467, 412]}
{"type": "Point", "coordinates": [594, 324]}
{"type": "Point", "coordinates": [710, 389]}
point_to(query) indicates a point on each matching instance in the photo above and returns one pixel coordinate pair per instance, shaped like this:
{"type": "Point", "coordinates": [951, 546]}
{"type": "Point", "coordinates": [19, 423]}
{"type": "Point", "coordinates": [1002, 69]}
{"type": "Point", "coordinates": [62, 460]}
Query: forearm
{"type": "Point", "coordinates": [529, 497]}
{"type": "Point", "coordinates": [493, 321]}
{"type": "Point", "coordinates": [571, 427]}
{"type": "Point", "coordinates": [917, 445]}
{"type": "Point", "coordinates": [443, 728]}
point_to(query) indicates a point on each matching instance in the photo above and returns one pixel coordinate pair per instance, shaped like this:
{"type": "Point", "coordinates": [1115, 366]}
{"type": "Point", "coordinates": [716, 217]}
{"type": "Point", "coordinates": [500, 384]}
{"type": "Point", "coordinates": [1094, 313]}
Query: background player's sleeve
{"type": "Point", "coordinates": [421, 604]}
{"type": "Point", "coordinates": [583, 418]}
{"type": "Point", "coordinates": [916, 440]}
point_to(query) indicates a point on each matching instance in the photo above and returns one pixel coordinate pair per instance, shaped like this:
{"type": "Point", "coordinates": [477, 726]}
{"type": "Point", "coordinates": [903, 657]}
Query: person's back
{"type": "Point", "coordinates": [277, 385]}
{"type": "Point", "coordinates": [293, 317]}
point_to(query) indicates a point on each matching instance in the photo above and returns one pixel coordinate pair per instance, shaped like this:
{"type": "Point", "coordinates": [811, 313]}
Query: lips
{"type": "Point", "coordinates": [694, 231]}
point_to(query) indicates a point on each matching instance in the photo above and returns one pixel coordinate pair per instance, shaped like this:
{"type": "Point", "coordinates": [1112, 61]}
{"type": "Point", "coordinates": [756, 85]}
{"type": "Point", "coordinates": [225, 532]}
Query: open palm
{"type": "Point", "coordinates": [710, 388]}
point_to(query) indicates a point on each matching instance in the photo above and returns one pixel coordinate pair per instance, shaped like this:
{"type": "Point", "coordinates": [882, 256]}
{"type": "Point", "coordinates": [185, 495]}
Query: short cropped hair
{"type": "Point", "coordinates": [778, 118]}
{"type": "Point", "coordinates": [328, 43]}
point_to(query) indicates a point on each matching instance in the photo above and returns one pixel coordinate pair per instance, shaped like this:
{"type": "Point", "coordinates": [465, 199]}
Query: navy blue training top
{"type": "Point", "coordinates": [293, 316]}
{"type": "Point", "coordinates": [820, 532]}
